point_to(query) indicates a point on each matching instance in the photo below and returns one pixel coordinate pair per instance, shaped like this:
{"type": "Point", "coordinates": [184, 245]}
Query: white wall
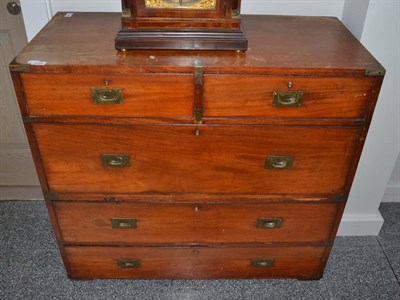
{"type": "Point", "coordinates": [378, 34]}
{"type": "Point", "coordinates": [392, 190]}
{"type": "Point", "coordinates": [35, 11]}
{"type": "Point", "coordinates": [381, 36]}
{"type": "Point", "coordinates": [332, 8]}
{"type": "Point", "coordinates": [354, 14]}
{"type": "Point", "coordinates": [279, 7]}
{"type": "Point", "coordinates": [36, 15]}
{"type": "Point", "coordinates": [87, 5]}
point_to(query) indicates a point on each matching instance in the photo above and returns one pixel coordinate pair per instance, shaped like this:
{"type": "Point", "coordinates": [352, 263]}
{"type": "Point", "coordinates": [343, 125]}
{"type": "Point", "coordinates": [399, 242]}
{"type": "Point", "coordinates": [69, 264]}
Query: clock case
{"type": "Point", "coordinates": [218, 28]}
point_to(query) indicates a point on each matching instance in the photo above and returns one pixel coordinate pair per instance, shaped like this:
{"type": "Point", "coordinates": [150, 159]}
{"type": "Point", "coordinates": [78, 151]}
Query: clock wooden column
{"type": "Point", "coordinates": [196, 164]}
{"type": "Point", "coordinates": [181, 24]}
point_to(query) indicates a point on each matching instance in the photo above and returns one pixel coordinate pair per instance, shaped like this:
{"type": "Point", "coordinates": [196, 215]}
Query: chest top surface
{"type": "Point", "coordinates": [84, 42]}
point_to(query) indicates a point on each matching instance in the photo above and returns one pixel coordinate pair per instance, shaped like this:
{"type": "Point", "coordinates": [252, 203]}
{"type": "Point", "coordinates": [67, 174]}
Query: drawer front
{"type": "Point", "coordinates": [253, 96]}
{"type": "Point", "coordinates": [194, 263]}
{"type": "Point", "coordinates": [150, 95]}
{"type": "Point", "coordinates": [221, 159]}
{"type": "Point", "coordinates": [82, 222]}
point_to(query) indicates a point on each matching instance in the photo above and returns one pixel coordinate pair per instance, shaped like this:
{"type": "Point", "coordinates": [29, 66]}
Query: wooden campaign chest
{"type": "Point", "coordinates": [185, 164]}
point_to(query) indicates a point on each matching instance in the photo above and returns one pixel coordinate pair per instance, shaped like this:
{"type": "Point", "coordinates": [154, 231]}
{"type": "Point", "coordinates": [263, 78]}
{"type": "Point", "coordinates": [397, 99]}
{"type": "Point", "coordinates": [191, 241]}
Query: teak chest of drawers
{"type": "Point", "coordinates": [185, 164]}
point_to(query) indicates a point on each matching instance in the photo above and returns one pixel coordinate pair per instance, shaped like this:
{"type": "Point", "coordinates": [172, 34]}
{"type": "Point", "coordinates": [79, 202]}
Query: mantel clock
{"type": "Point", "coordinates": [181, 24]}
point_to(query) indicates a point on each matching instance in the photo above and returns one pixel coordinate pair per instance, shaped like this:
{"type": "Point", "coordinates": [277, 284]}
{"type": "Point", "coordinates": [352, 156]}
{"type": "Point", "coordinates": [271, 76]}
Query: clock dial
{"type": "Point", "coordinates": [181, 4]}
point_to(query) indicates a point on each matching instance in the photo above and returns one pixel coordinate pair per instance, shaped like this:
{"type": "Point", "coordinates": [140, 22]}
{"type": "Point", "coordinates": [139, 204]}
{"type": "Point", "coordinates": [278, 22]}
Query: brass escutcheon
{"type": "Point", "coordinates": [262, 262]}
{"type": "Point", "coordinates": [107, 95]}
{"type": "Point", "coordinates": [279, 162]}
{"type": "Point", "coordinates": [123, 223]}
{"type": "Point", "coordinates": [269, 223]}
{"type": "Point", "coordinates": [116, 160]}
{"type": "Point", "coordinates": [287, 99]}
{"type": "Point", "coordinates": [128, 263]}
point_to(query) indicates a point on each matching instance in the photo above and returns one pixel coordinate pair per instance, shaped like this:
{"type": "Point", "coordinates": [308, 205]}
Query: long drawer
{"type": "Point", "coordinates": [145, 95]}
{"type": "Point", "coordinates": [83, 222]}
{"type": "Point", "coordinates": [286, 97]}
{"type": "Point", "coordinates": [217, 159]}
{"type": "Point", "coordinates": [194, 263]}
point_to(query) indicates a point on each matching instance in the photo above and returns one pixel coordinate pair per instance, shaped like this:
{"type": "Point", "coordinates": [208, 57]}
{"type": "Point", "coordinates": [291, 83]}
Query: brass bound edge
{"type": "Point", "coordinates": [198, 93]}
{"type": "Point", "coordinates": [30, 119]}
{"type": "Point", "coordinates": [16, 67]}
{"type": "Point", "coordinates": [340, 198]}
{"type": "Point", "coordinates": [375, 72]}
{"type": "Point", "coordinates": [50, 196]}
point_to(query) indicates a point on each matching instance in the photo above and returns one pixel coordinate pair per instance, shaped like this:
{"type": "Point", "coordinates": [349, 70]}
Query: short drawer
{"type": "Point", "coordinates": [140, 95]}
{"type": "Point", "coordinates": [194, 263]}
{"type": "Point", "coordinates": [220, 159]}
{"type": "Point", "coordinates": [83, 222]}
{"type": "Point", "coordinates": [286, 97]}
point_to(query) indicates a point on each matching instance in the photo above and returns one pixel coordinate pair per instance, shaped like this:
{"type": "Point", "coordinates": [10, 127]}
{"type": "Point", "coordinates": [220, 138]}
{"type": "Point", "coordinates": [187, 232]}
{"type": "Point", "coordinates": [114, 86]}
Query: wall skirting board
{"type": "Point", "coordinates": [360, 224]}
{"type": "Point", "coordinates": [17, 168]}
{"type": "Point", "coordinates": [21, 193]}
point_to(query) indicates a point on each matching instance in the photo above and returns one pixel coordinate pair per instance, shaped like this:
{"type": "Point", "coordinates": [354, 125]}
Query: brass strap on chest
{"type": "Point", "coordinates": [30, 119]}
{"type": "Point", "coordinates": [198, 91]}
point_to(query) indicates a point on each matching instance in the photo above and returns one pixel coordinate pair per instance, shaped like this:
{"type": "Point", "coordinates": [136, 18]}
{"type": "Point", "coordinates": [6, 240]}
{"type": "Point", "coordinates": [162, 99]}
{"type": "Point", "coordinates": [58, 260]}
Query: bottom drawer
{"type": "Point", "coordinates": [194, 263]}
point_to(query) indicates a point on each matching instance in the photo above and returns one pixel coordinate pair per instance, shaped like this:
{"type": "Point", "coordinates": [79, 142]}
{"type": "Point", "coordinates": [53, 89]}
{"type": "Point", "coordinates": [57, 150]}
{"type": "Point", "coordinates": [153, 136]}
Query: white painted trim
{"type": "Point", "coordinates": [49, 9]}
{"type": "Point", "coordinates": [360, 224]}
{"type": "Point", "coordinates": [35, 14]}
{"type": "Point", "coordinates": [17, 168]}
{"type": "Point", "coordinates": [21, 193]}
{"type": "Point", "coordinates": [392, 194]}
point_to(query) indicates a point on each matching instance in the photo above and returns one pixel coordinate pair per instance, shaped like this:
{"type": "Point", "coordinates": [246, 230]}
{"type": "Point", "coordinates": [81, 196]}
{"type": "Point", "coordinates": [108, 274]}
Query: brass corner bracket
{"type": "Point", "coordinates": [50, 196]}
{"type": "Point", "coordinates": [21, 68]}
{"type": "Point", "coordinates": [375, 72]}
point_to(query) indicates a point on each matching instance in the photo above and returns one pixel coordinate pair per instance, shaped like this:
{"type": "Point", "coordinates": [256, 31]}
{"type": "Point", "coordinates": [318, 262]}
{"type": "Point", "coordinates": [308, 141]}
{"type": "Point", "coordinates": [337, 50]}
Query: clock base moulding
{"type": "Point", "coordinates": [181, 25]}
{"type": "Point", "coordinates": [181, 39]}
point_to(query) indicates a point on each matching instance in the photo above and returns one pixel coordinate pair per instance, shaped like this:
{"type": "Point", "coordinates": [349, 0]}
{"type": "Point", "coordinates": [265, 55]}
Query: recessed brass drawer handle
{"type": "Point", "coordinates": [107, 95]}
{"type": "Point", "coordinates": [117, 160]}
{"type": "Point", "coordinates": [128, 263]}
{"type": "Point", "coordinates": [262, 262]}
{"type": "Point", "coordinates": [123, 223]}
{"type": "Point", "coordinates": [287, 98]}
{"type": "Point", "coordinates": [269, 223]}
{"type": "Point", "coordinates": [279, 162]}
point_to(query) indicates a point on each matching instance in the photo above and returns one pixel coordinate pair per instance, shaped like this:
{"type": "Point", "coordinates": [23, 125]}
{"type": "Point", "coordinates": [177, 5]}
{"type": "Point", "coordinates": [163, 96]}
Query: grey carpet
{"type": "Point", "coordinates": [31, 268]}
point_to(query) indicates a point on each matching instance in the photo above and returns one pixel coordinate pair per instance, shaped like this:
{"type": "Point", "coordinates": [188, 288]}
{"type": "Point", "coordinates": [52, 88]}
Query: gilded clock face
{"type": "Point", "coordinates": [181, 4]}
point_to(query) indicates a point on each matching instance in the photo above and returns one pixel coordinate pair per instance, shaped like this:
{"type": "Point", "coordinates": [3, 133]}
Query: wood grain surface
{"type": "Point", "coordinates": [197, 190]}
{"type": "Point", "coordinates": [221, 159]}
{"type": "Point", "coordinates": [83, 222]}
{"type": "Point", "coordinates": [145, 95]}
{"type": "Point", "coordinates": [251, 96]}
{"type": "Point", "coordinates": [277, 45]}
{"type": "Point", "coordinates": [194, 263]}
